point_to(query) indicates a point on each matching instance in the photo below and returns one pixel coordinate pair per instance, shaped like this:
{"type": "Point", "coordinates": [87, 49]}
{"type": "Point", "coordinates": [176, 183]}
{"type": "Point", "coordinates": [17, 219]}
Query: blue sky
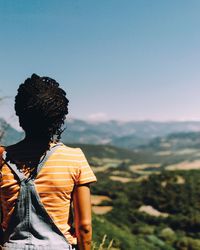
{"type": "Point", "coordinates": [116, 59]}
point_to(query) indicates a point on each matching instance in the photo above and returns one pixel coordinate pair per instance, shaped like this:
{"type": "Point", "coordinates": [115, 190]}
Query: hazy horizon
{"type": "Point", "coordinates": [13, 121]}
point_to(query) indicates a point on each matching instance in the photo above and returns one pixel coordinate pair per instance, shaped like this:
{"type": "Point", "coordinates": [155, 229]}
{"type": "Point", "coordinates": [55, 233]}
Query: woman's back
{"type": "Point", "coordinates": [41, 177]}
{"type": "Point", "coordinates": [61, 169]}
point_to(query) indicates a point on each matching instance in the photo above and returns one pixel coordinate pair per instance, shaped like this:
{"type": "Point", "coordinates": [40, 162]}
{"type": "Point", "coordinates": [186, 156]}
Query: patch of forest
{"type": "Point", "coordinates": [108, 151]}
{"type": "Point", "coordinates": [130, 228]}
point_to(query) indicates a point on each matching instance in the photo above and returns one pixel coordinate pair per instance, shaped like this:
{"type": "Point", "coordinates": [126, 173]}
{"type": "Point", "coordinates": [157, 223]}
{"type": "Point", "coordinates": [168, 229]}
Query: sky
{"type": "Point", "coordinates": [116, 59]}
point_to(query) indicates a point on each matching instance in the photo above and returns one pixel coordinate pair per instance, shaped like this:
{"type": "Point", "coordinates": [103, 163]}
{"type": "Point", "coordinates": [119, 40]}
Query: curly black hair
{"type": "Point", "coordinates": [41, 106]}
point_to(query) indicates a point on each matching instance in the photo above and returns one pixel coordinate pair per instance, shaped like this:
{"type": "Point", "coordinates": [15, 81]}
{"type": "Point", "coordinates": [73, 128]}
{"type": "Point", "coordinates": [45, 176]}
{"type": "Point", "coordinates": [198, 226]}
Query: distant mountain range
{"type": "Point", "coordinates": [132, 134]}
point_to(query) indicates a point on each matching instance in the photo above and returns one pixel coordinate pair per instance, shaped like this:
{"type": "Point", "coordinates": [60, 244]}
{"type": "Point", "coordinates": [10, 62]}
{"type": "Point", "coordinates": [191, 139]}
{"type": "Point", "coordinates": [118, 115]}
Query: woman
{"type": "Point", "coordinates": [43, 182]}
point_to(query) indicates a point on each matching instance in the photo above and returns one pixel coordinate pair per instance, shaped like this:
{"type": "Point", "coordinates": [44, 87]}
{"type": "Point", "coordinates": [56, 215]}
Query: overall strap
{"type": "Point", "coordinates": [14, 168]}
{"type": "Point", "coordinates": [21, 175]}
{"type": "Point", "coordinates": [48, 154]}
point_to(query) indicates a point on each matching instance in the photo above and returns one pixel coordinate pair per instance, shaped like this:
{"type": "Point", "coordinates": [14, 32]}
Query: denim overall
{"type": "Point", "coordinates": [30, 226]}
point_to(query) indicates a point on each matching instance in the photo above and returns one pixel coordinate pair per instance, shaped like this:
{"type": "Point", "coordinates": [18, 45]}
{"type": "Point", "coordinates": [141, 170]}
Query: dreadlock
{"type": "Point", "coordinates": [41, 107]}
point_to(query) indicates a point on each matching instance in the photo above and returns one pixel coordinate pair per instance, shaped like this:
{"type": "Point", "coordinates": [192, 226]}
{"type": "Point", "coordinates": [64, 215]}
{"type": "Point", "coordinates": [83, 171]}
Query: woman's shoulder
{"type": "Point", "coordinates": [70, 149]}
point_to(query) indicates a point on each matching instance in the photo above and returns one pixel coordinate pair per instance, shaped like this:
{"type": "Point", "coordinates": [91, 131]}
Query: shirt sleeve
{"type": "Point", "coordinates": [85, 173]}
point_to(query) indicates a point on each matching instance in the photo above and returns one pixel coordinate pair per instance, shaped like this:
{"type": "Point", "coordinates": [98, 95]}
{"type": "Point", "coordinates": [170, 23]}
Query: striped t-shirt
{"type": "Point", "coordinates": [64, 169]}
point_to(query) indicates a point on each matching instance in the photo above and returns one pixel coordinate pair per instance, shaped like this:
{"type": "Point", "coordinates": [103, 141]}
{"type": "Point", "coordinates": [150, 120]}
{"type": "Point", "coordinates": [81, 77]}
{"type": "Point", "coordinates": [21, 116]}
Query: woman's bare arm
{"type": "Point", "coordinates": [82, 212]}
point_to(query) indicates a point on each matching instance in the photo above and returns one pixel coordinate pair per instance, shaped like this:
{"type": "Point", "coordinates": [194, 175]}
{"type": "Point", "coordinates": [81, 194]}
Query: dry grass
{"type": "Point", "coordinates": [141, 178]}
{"type": "Point", "coordinates": [100, 169]}
{"type": "Point", "coordinates": [97, 199]}
{"type": "Point", "coordinates": [111, 160]}
{"type": "Point", "coordinates": [103, 246]}
{"type": "Point", "coordinates": [104, 164]}
{"type": "Point", "coordinates": [180, 180]}
{"type": "Point", "coordinates": [185, 165]}
{"type": "Point", "coordinates": [164, 183]}
{"type": "Point", "coordinates": [142, 167]}
{"type": "Point", "coordinates": [121, 179]}
{"type": "Point", "coordinates": [101, 209]}
{"type": "Point", "coordinates": [152, 211]}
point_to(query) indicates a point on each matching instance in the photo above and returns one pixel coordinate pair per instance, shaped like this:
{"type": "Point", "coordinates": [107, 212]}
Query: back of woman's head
{"type": "Point", "coordinates": [41, 107]}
